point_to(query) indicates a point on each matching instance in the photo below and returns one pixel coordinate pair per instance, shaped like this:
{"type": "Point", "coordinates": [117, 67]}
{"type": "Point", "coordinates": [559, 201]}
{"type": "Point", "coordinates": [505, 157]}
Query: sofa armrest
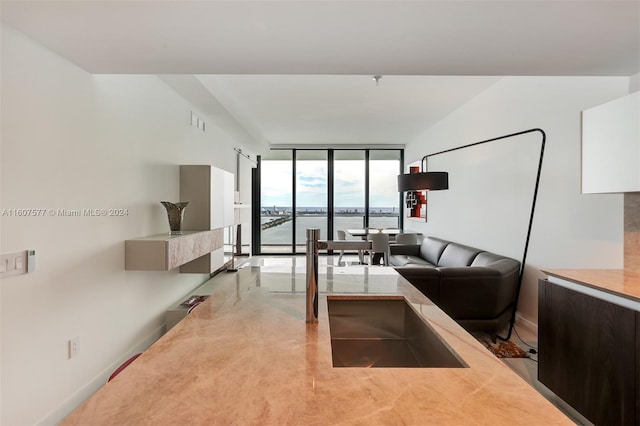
{"type": "Point", "coordinates": [407, 249]}
{"type": "Point", "coordinates": [506, 266]}
{"type": "Point", "coordinates": [424, 278]}
{"type": "Point", "coordinates": [476, 291]}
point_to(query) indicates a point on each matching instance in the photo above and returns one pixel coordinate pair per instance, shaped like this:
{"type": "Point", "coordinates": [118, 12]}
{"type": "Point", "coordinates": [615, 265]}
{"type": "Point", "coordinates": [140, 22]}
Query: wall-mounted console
{"type": "Point", "coordinates": [164, 252]}
{"type": "Point", "coordinates": [200, 248]}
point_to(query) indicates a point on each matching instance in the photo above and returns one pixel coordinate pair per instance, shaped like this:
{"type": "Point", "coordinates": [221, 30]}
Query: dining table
{"type": "Point", "coordinates": [365, 232]}
{"type": "Point", "coordinates": [362, 233]}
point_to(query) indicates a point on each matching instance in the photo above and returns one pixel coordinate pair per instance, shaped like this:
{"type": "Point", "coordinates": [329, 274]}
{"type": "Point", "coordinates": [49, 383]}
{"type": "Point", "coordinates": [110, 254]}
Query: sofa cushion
{"type": "Point", "coordinates": [431, 249]}
{"type": "Point", "coordinates": [398, 260]}
{"type": "Point", "coordinates": [458, 255]}
{"type": "Point", "coordinates": [408, 260]}
{"type": "Point", "coordinates": [415, 260]}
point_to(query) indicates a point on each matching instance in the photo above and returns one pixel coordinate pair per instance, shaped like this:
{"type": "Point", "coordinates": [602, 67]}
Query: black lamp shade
{"type": "Point", "coordinates": [431, 181]}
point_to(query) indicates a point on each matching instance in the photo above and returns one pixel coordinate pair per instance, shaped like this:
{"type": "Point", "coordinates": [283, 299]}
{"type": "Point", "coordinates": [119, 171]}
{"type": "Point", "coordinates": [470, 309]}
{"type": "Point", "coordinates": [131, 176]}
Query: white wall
{"type": "Point", "coordinates": [492, 185]}
{"type": "Point", "coordinates": [244, 214]}
{"type": "Point", "coordinates": [72, 140]}
{"type": "Point", "coordinates": [634, 83]}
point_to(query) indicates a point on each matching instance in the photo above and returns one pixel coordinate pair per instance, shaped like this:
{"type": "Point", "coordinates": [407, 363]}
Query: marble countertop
{"type": "Point", "coordinates": [166, 236]}
{"type": "Point", "coordinates": [246, 356]}
{"type": "Point", "coordinates": [621, 282]}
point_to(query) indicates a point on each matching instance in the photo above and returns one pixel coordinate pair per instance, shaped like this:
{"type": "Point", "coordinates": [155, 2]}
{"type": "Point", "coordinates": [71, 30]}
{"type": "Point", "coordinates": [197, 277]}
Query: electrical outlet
{"type": "Point", "coordinates": [74, 347]}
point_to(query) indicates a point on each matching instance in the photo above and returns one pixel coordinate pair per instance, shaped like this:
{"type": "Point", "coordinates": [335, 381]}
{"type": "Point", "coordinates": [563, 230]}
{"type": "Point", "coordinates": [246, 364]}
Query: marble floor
{"type": "Point", "coordinates": [295, 267]}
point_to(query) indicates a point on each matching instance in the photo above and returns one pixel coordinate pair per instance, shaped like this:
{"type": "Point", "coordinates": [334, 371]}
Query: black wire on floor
{"type": "Point", "coordinates": [533, 350]}
{"type": "Point", "coordinates": [525, 343]}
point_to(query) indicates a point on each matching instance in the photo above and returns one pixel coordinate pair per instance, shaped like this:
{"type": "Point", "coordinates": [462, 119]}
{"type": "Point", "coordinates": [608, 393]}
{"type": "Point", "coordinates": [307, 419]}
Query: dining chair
{"type": "Point", "coordinates": [342, 235]}
{"type": "Point", "coordinates": [379, 245]}
{"type": "Point", "coordinates": [406, 239]}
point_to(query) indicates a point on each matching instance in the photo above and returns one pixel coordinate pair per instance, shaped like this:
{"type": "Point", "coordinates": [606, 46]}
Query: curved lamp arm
{"type": "Point", "coordinates": [440, 180]}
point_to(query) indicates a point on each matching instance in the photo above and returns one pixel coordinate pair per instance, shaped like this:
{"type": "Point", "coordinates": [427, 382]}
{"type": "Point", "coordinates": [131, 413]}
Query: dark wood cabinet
{"type": "Point", "coordinates": [637, 368]}
{"type": "Point", "coordinates": [589, 354]}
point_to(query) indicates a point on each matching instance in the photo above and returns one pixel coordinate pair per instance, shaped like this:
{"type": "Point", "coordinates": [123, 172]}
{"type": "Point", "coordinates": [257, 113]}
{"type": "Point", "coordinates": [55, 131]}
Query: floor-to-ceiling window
{"type": "Point", "coordinates": [276, 202]}
{"type": "Point", "coordinates": [311, 195]}
{"type": "Point", "coordinates": [348, 190]}
{"type": "Point", "coordinates": [384, 207]}
{"type": "Point", "coordinates": [329, 189]}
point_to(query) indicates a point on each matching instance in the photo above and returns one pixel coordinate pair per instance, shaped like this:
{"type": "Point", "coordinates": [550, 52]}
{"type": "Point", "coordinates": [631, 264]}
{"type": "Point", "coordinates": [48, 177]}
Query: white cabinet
{"type": "Point", "coordinates": [210, 192]}
{"type": "Point", "coordinates": [611, 146]}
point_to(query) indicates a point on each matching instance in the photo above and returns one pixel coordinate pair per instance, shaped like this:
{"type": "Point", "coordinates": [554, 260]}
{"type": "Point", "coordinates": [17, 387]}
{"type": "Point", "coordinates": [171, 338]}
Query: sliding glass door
{"type": "Point", "coordinates": [329, 189]}
{"type": "Point", "coordinates": [384, 210]}
{"type": "Point", "coordinates": [348, 190]}
{"type": "Point", "coordinates": [311, 195]}
{"type": "Point", "coordinates": [276, 202]}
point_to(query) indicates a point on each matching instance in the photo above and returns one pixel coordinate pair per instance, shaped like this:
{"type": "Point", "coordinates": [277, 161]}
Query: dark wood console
{"type": "Point", "coordinates": [589, 353]}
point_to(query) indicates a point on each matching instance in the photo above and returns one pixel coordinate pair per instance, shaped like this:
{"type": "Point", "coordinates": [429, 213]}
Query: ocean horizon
{"type": "Point", "coordinates": [281, 234]}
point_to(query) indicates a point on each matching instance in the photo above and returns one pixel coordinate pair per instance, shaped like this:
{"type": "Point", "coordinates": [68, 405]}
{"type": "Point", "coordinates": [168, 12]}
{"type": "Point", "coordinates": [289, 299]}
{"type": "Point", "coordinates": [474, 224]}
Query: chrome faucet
{"type": "Point", "coordinates": [313, 234]}
{"type": "Point", "coordinates": [313, 245]}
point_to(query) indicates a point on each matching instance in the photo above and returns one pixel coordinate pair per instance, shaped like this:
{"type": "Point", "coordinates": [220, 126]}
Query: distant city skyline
{"type": "Point", "coordinates": [323, 208]}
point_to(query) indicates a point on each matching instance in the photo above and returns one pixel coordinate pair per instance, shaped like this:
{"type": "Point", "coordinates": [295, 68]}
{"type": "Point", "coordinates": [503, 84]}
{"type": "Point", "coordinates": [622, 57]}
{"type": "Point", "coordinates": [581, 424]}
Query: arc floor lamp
{"type": "Point", "coordinates": [433, 181]}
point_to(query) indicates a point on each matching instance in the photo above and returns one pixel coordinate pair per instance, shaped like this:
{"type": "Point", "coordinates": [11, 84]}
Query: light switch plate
{"type": "Point", "coordinates": [13, 263]}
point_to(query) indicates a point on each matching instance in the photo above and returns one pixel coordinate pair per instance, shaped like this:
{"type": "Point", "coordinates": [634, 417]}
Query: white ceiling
{"type": "Point", "coordinates": [289, 72]}
{"type": "Point", "coordinates": [327, 109]}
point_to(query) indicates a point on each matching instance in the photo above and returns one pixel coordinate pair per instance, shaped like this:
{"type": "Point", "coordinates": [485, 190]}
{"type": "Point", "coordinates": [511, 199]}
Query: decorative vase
{"type": "Point", "coordinates": [175, 213]}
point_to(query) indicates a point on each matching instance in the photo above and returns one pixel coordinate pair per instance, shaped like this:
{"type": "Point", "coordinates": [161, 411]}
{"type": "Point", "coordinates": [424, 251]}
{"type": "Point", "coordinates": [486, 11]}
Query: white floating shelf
{"type": "Point", "coordinates": [163, 252]}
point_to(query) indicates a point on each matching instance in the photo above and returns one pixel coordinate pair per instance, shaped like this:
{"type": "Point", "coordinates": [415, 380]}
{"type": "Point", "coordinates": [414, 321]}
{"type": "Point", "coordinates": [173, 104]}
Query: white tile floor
{"type": "Point", "coordinates": [527, 368]}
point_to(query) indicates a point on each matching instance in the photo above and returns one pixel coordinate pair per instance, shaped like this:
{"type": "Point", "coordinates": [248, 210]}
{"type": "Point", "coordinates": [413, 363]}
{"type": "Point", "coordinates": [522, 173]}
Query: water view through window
{"type": "Point", "coordinates": [384, 167]}
{"type": "Point", "coordinates": [349, 190]}
{"type": "Point", "coordinates": [295, 194]}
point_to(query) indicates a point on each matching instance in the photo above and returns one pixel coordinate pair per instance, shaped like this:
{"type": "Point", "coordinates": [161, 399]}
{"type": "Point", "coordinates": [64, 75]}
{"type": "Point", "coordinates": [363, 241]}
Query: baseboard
{"type": "Point", "coordinates": [523, 322]}
{"type": "Point", "coordinates": [56, 415]}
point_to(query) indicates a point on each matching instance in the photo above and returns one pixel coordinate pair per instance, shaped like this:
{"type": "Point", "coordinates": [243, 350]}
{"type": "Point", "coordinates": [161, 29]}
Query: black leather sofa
{"type": "Point", "coordinates": [474, 287]}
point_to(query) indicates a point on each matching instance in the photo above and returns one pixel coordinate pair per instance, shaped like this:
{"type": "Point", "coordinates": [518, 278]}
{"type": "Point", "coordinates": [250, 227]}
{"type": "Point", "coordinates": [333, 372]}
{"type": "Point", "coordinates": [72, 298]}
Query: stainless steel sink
{"type": "Point", "coordinates": [384, 332]}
